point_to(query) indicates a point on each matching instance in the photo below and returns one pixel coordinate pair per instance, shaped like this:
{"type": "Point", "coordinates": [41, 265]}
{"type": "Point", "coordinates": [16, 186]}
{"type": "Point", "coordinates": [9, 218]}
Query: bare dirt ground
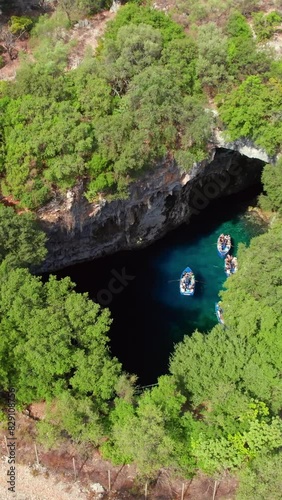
{"type": "Point", "coordinates": [88, 35]}
{"type": "Point", "coordinates": [8, 72]}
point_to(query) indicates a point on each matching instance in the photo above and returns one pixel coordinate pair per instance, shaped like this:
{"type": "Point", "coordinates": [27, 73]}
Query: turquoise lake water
{"type": "Point", "coordinates": [149, 314]}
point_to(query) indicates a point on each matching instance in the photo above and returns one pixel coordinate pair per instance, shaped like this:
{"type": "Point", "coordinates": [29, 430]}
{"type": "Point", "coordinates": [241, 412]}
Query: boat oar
{"type": "Point", "coordinates": [197, 281]}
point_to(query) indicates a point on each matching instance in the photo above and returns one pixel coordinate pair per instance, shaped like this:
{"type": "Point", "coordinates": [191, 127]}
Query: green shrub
{"type": "Point", "coordinates": [50, 27]}
{"type": "Point", "coordinates": [264, 25]}
{"type": "Point", "coordinates": [243, 57]}
{"type": "Point", "coordinates": [238, 27]}
{"type": "Point", "coordinates": [245, 109]}
{"type": "Point", "coordinates": [20, 25]}
{"type": "Point", "coordinates": [103, 183]}
{"type": "Point", "coordinates": [133, 14]}
{"type": "Point", "coordinates": [272, 182]}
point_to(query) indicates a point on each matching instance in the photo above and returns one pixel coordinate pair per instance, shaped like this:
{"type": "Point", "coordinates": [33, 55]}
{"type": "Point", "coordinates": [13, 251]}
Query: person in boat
{"type": "Point", "coordinates": [220, 312]}
{"type": "Point", "coordinates": [221, 315]}
{"type": "Point", "coordinates": [191, 281]}
{"type": "Point", "coordinates": [221, 242]}
{"type": "Point", "coordinates": [228, 263]}
{"type": "Point", "coordinates": [185, 281]}
{"type": "Point", "coordinates": [183, 285]}
{"type": "Point", "coordinates": [234, 263]}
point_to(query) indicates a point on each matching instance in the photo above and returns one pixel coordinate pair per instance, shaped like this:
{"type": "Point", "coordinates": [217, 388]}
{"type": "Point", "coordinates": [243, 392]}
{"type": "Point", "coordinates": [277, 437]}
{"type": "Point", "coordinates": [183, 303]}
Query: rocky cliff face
{"type": "Point", "coordinates": [163, 199]}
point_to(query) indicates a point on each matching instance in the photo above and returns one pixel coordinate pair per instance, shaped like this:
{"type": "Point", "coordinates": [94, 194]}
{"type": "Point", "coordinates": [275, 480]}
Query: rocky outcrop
{"type": "Point", "coordinates": [162, 200]}
{"type": "Point", "coordinates": [244, 146]}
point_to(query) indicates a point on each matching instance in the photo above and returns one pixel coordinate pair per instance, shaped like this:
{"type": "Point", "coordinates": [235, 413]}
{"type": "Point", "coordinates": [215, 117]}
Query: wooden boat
{"type": "Point", "coordinates": [187, 282]}
{"type": "Point", "coordinates": [230, 265]}
{"type": "Point", "coordinates": [219, 313]}
{"type": "Point", "coordinates": [223, 245]}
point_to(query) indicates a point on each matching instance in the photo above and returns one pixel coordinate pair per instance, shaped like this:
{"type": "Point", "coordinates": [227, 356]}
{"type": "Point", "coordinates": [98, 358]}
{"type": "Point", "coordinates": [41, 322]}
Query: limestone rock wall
{"type": "Point", "coordinates": [162, 200]}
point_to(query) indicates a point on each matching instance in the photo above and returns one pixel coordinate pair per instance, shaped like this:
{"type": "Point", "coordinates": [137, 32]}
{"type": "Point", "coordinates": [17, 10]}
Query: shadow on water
{"type": "Point", "coordinates": [149, 314]}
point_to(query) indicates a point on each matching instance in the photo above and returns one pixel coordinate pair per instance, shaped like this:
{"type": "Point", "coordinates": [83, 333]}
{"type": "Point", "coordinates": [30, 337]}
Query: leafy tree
{"type": "Point", "coordinates": [104, 183]}
{"type": "Point", "coordinates": [238, 27]}
{"type": "Point", "coordinates": [50, 27]}
{"type": "Point", "coordinates": [116, 448]}
{"type": "Point", "coordinates": [212, 60]}
{"type": "Point", "coordinates": [125, 387]}
{"type": "Point", "coordinates": [265, 24]}
{"type": "Point", "coordinates": [271, 178]}
{"type": "Point", "coordinates": [43, 138]}
{"type": "Point", "coordinates": [134, 14]}
{"type": "Point", "coordinates": [215, 456]}
{"type": "Point", "coordinates": [22, 242]}
{"type": "Point", "coordinates": [243, 56]}
{"type": "Point", "coordinates": [53, 340]}
{"type": "Point", "coordinates": [134, 49]}
{"type": "Point", "coordinates": [180, 56]}
{"type": "Point", "coordinates": [158, 424]}
{"type": "Point", "coordinates": [253, 110]}
{"type": "Point", "coordinates": [77, 418]}
{"type": "Point", "coordinates": [20, 25]}
{"type": "Point", "coordinates": [262, 479]}
{"type": "Point", "coordinates": [44, 78]}
{"type": "Point", "coordinates": [93, 96]}
{"type": "Point", "coordinates": [216, 367]}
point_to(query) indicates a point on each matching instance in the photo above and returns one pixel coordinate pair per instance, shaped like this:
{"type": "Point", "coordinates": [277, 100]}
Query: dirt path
{"type": "Point", "coordinates": [87, 34]}
{"type": "Point", "coordinates": [33, 485]}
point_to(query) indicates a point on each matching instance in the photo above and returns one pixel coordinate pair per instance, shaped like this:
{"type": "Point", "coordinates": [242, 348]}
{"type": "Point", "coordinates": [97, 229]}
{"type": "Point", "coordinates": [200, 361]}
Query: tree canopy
{"type": "Point", "coordinates": [22, 242]}
{"type": "Point", "coordinates": [253, 111]}
{"type": "Point", "coordinates": [53, 340]}
{"type": "Point", "coordinates": [144, 95]}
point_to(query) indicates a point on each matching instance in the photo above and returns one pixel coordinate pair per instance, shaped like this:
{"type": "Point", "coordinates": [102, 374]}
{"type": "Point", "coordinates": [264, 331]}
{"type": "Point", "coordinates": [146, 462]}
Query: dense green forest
{"type": "Point", "coordinates": [145, 95]}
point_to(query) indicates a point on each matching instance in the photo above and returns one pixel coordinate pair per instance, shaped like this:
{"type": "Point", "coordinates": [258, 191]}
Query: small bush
{"type": "Point", "coordinates": [102, 184]}
{"type": "Point", "coordinates": [265, 25]}
{"type": "Point", "coordinates": [238, 27]}
{"type": "Point", "coordinates": [20, 25]}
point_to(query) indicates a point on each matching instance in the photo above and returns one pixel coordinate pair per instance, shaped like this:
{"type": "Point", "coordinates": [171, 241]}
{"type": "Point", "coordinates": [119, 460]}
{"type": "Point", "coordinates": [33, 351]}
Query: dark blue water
{"type": "Point", "coordinates": [149, 314]}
